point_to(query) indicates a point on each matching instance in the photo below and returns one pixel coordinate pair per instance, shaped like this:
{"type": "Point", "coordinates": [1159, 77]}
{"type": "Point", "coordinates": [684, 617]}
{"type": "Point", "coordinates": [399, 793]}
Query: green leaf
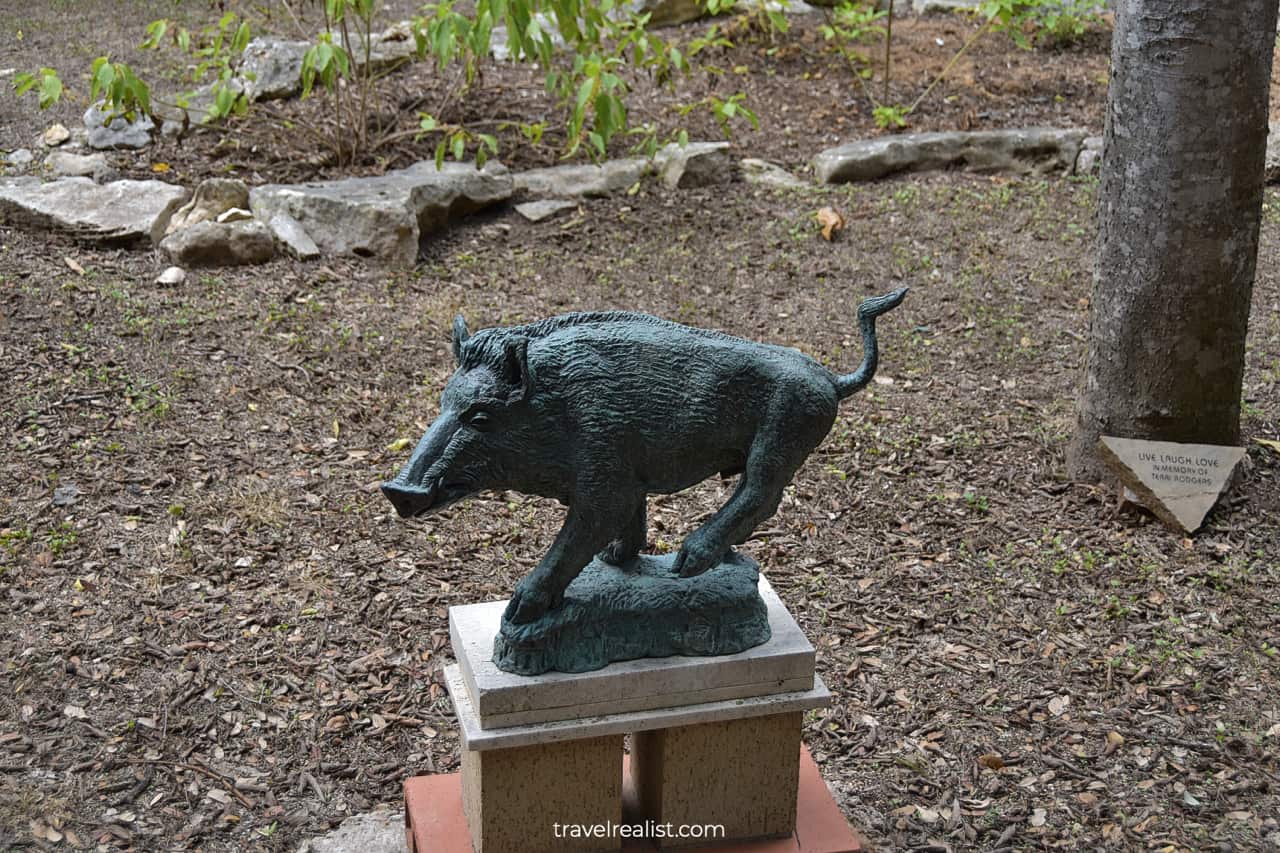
{"type": "Point", "coordinates": [23, 83]}
{"type": "Point", "coordinates": [440, 150]}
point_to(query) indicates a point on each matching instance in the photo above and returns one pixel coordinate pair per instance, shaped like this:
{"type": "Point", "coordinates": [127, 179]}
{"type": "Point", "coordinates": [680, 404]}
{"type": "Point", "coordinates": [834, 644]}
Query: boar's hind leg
{"type": "Point", "coordinates": [587, 529]}
{"type": "Point", "coordinates": [630, 541]}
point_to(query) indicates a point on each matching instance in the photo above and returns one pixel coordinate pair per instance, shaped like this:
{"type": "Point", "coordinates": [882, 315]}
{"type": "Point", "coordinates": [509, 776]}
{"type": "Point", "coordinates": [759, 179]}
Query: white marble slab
{"type": "Point", "coordinates": [477, 739]}
{"type": "Point", "coordinates": [782, 665]}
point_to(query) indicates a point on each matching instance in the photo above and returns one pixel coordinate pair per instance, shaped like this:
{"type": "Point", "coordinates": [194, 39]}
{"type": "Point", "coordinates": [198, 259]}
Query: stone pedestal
{"type": "Point", "coordinates": [740, 774]}
{"type": "Point", "coordinates": [714, 741]}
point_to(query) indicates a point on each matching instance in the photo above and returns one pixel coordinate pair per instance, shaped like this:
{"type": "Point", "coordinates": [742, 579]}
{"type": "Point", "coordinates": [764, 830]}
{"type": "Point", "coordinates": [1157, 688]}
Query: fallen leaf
{"type": "Point", "coordinates": [1087, 798]}
{"type": "Point", "coordinates": [991, 761]}
{"type": "Point", "coordinates": [1114, 741]}
{"type": "Point", "coordinates": [831, 221]}
{"type": "Point", "coordinates": [399, 444]}
{"type": "Point", "coordinates": [1038, 817]}
{"type": "Point", "coordinates": [73, 266]}
{"type": "Point", "coordinates": [160, 168]}
{"type": "Point", "coordinates": [1058, 705]}
{"type": "Point", "coordinates": [75, 712]}
{"type": "Point", "coordinates": [219, 796]}
{"type": "Point", "coordinates": [927, 815]}
{"type": "Point", "coordinates": [1267, 442]}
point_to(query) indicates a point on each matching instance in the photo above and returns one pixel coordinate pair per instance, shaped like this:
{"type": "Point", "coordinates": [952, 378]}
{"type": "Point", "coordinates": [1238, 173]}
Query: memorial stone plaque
{"type": "Point", "coordinates": [1180, 483]}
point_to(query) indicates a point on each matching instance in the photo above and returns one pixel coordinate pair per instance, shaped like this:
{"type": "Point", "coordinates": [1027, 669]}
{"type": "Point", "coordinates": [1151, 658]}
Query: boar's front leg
{"type": "Point", "coordinates": [590, 525]}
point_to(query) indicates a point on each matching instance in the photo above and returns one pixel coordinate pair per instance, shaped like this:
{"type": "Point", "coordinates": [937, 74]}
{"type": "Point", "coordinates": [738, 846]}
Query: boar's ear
{"type": "Point", "coordinates": [515, 365]}
{"type": "Point", "coordinates": [460, 335]}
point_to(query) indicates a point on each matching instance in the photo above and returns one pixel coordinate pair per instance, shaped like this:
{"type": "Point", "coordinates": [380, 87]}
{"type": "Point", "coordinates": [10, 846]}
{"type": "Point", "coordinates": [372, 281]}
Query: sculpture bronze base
{"type": "Point", "coordinates": [642, 609]}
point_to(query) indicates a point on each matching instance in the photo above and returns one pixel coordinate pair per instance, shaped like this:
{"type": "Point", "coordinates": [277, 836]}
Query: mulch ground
{"type": "Point", "coordinates": [217, 635]}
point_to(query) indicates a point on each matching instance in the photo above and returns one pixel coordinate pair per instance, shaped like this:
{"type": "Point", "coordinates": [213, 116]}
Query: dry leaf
{"type": "Point", "coordinates": [399, 444]}
{"type": "Point", "coordinates": [75, 712]}
{"type": "Point", "coordinates": [73, 266]}
{"type": "Point", "coordinates": [1058, 704]}
{"type": "Point", "coordinates": [831, 221]}
{"type": "Point", "coordinates": [219, 796]}
{"type": "Point", "coordinates": [1114, 741]}
{"type": "Point", "coordinates": [1038, 817]}
{"type": "Point", "coordinates": [991, 761]}
{"type": "Point", "coordinates": [1267, 442]}
{"type": "Point", "coordinates": [160, 168]}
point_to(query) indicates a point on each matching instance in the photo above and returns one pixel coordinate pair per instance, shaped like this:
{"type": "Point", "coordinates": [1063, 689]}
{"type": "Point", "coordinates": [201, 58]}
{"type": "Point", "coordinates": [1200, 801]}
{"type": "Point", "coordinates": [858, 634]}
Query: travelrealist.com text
{"type": "Point", "coordinates": [646, 829]}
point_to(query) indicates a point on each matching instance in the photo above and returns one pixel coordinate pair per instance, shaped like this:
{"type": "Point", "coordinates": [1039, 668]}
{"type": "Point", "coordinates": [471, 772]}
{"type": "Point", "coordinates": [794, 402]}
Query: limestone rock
{"type": "Point", "coordinates": [644, 610]}
{"type": "Point", "coordinates": [1026, 151]}
{"type": "Point", "coordinates": [67, 165]}
{"type": "Point", "coordinates": [172, 276]}
{"type": "Point", "coordinates": [386, 216]}
{"type": "Point", "coordinates": [697, 164]}
{"type": "Point", "coordinates": [770, 175]}
{"type": "Point", "coordinates": [54, 135]}
{"type": "Point", "coordinates": [536, 211]}
{"type": "Point", "coordinates": [272, 68]}
{"type": "Point", "coordinates": [121, 212]}
{"type": "Point", "coordinates": [220, 244]}
{"type": "Point", "coordinates": [499, 49]}
{"type": "Point", "coordinates": [212, 198]}
{"type": "Point", "coordinates": [577, 181]}
{"type": "Point", "coordinates": [937, 7]}
{"type": "Point", "coordinates": [19, 158]}
{"type": "Point", "coordinates": [119, 132]}
{"type": "Point", "coordinates": [1180, 483]}
{"type": "Point", "coordinates": [1273, 155]}
{"type": "Point", "coordinates": [1089, 160]}
{"type": "Point", "coordinates": [389, 48]}
{"type": "Point", "coordinates": [235, 214]}
{"type": "Point", "coordinates": [372, 832]}
{"type": "Point", "coordinates": [290, 234]}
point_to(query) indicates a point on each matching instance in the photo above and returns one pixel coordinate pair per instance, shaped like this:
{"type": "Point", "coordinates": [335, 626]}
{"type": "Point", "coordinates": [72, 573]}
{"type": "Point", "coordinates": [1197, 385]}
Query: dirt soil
{"type": "Point", "coordinates": [216, 635]}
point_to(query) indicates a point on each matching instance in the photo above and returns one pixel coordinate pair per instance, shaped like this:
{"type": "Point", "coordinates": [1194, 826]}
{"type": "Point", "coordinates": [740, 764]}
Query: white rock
{"type": "Point", "coordinates": [19, 158]}
{"type": "Point", "coordinates": [1089, 160]}
{"type": "Point", "coordinates": [1023, 151]}
{"type": "Point", "coordinates": [212, 198]}
{"type": "Point", "coordinates": [372, 832]}
{"type": "Point", "coordinates": [275, 66]}
{"type": "Point", "coordinates": [118, 212]}
{"type": "Point", "coordinates": [68, 165]}
{"type": "Point", "coordinates": [387, 216]}
{"type": "Point", "coordinates": [172, 276]}
{"type": "Point", "coordinates": [235, 214]}
{"type": "Point", "coordinates": [54, 135]}
{"type": "Point", "coordinates": [769, 174]}
{"type": "Point", "coordinates": [290, 234]}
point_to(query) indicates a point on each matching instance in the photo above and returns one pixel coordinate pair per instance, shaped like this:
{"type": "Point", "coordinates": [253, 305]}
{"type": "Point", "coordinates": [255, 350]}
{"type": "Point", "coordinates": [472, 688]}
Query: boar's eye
{"type": "Point", "coordinates": [478, 419]}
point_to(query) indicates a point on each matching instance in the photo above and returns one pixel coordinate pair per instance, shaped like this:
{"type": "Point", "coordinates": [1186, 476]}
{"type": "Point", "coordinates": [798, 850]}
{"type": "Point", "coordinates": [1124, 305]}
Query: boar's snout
{"type": "Point", "coordinates": [409, 500]}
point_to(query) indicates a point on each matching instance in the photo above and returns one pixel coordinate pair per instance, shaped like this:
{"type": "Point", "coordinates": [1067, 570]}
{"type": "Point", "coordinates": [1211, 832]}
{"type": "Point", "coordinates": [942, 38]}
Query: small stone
{"type": "Point", "coordinates": [64, 164]}
{"type": "Point", "coordinates": [373, 832]}
{"type": "Point", "coordinates": [275, 66]}
{"type": "Point", "coordinates": [1089, 160]}
{"type": "Point", "coordinates": [119, 132]}
{"type": "Point", "coordinates": [65, 495]}
{"type": "Point", "coordinates": [697, 164]}
{"type": "Point", "coordinates": [220, 244]}
{"type": "Point", "coordinates": [172, 277]}
{"type": "Point", "coordinates": [536, 211]}
{"type": "Point", "coordinates": [20, 158]}
{"type": "Point", "coordinates": [120, 212]}
{"type": "Point", "coordinates": [576, 181]}
{"type": "Point", "coordinates": [290, 234]}
{"type": "Point", "coordinates": [55, 135]}
{"type": "Point", "coordinates": [235, 214]}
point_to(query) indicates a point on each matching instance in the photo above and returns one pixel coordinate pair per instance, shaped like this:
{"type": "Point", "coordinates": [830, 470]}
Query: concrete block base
{"type": "Point", "coordinates": [741, 774]}
{"type": "Point", "coordinates": [514, 799]}
{"type": "Point", "coordinates": [435, 822]}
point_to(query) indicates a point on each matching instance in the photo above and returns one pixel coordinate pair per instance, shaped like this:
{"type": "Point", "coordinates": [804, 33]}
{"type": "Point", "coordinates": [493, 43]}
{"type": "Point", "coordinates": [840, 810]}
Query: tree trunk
{"type": "Point", "coordinates": [1179, 209]}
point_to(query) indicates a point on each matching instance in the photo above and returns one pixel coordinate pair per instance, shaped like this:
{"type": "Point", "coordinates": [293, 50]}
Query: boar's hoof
{"type": "Point", "coordinates": [617, 554]}
{"type": "Point", "coordinates": [528, 603]}
{"type": "Point", "coordinates": [695, 557]}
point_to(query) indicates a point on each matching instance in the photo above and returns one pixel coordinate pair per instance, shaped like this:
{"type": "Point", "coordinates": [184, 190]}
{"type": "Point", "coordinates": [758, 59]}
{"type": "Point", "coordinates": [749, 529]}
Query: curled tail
{"type": "Point", "coordinates": [851, 383]}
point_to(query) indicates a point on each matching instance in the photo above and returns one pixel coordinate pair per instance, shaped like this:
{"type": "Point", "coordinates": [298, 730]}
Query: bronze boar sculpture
{"type": "Point", "coordinates": [599, 410]}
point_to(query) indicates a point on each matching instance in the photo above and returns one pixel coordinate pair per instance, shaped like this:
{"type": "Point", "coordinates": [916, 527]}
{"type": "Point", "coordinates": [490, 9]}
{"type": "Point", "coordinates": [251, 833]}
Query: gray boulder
{"type": "Point", "coordinates": [220, 244]}
{"type": "Point", "coordinates": [212, 198]}
{"type": "Point", "coordinates": [290, 234]}
{"type": "Point", "coordinates": [121, 212]}
{"type": "Point", "coordinates": [576, 181]}
{"type": "Point", "coordinates": [697, 164]}
{"type": "Point", "coordinates": [372, 832]}
{"type": "Point", "coordinates": [119, 132]}
{"type": "Point", "coordinates": [64, 164]}
{"type": "Point", "coordinates": [19, 158]}
{"type": "Point", "coordinates": [536, 211]}
{"type": "Point", "coordinates": [272, 68]}
{"type": "Point", "coordinates": [1029, 151]}
{"type": "Point", "coordinates": [387, 216]}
